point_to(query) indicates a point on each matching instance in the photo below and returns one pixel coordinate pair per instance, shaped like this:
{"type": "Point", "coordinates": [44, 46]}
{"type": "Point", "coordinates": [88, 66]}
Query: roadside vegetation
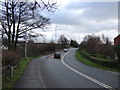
{"type": "Point", "coordinates": [92, 64]}
{"type": "Point", "coordinates": [98, 52]}
{"type": "Point", "coordinates": [98, 46]}
{"type": "Point", "coordinates": [8, 81]}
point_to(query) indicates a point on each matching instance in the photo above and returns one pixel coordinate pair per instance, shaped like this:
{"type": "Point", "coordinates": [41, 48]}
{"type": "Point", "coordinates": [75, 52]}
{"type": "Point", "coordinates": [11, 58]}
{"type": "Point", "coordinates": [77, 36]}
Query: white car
{"type": "Point", "coordinates": [65, 50]}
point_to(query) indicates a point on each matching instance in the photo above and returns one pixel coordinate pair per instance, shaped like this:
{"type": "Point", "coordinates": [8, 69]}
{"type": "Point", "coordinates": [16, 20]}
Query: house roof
{"type": "Point", "coordinates": [117, 36]}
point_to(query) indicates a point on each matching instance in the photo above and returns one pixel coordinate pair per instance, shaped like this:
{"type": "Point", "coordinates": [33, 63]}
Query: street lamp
{"type": "Point", "coordinates": [78, 37]}
{"type": "Point", "coordinates": [55, 33]}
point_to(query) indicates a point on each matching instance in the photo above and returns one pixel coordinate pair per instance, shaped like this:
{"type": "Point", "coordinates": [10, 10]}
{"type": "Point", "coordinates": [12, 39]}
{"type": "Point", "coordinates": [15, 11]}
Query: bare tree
{"type": "Point", "coordinates": [18, 17]}
{"type": "Point", "coordinates": [96, 45]}
{"type": "Point", "coordinates": [91, 43]}
{"type": "Point", "coordinates": [63, 40]}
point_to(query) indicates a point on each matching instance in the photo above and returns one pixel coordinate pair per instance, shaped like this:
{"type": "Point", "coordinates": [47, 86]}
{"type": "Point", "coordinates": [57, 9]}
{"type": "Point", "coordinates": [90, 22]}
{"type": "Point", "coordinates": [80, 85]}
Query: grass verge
{"type": "Point", "coordinates": [8, 82]}
{"type": "Point", "coordinates": [92, 64]}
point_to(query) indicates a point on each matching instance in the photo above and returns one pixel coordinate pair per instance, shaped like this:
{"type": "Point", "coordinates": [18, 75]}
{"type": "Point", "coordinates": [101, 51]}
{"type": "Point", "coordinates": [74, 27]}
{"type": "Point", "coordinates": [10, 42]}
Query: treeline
{"type": "Point", "coordinates": [73, 43]}
{"type": "Point", "coordinates": [98, 45]}
{"type": "Point", "coordinates": [12, 57]}
{"type": "Point", "coordinates": [33, 49]}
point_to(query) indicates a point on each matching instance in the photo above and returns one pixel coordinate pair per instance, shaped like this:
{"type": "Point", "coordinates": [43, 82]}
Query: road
{"type": "Point", "coordinates": [67, 72]}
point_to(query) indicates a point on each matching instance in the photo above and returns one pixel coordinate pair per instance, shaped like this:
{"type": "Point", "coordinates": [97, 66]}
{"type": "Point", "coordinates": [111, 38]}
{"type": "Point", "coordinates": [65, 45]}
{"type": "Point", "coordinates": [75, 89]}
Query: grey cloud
{"type": "Point", "coordinates": [92, 11]}
{"type": "Point", "coordinates": [96, 17]}
{"type": "Point", "coordinates": [65, 17]}
{"type": "Point", "coordinates": [96, 10]}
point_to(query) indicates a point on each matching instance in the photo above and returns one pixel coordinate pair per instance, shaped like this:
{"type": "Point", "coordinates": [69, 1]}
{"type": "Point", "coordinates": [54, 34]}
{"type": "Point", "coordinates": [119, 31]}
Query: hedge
{"type": "Point", "coordinates": [108, 63]}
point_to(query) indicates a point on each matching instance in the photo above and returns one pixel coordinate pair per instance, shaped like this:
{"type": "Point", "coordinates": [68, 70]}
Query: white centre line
{"type": "Point", "coordinates": [86, 76]}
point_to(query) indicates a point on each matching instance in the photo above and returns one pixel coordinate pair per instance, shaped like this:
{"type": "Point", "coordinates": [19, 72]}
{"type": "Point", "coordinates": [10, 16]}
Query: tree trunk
{"type": "Point", "coordinates": [9, 43]}
{"type": "Point", "coordinates": [9, 28]}
{"type": "Point", "coordinates": [17, 35]}
{"type": "Point", "coordinates": [16, 41]}
{"type": "Point", "coordinates": [13, 35]}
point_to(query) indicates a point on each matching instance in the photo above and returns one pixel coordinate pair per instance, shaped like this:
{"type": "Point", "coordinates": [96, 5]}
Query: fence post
{"type": "Point", "coordinates": [11, 73]}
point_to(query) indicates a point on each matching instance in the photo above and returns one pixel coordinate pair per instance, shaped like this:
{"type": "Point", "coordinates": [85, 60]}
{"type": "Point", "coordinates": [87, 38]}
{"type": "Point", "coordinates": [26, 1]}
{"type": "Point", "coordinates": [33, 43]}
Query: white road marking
{"type": "Point", "coordinates": [86, 76]}
{"type": "Point", "coordinates": [40, 75]}
{"type": "Point", "coordinates": [113, 72]}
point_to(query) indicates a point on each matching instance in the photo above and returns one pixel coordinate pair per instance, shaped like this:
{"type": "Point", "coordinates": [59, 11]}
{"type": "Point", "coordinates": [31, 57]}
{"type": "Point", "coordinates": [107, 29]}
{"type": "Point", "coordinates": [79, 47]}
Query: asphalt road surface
{"type": "Point", "coordinates": [67, 72]}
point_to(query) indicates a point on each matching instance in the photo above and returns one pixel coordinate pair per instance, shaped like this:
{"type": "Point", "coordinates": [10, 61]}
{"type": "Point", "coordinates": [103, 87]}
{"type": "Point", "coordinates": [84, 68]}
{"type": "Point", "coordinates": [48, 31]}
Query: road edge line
{"type": "Point", "coordinates": [86, 76]}
{"type": "Point", "coordinates": [41, 76]}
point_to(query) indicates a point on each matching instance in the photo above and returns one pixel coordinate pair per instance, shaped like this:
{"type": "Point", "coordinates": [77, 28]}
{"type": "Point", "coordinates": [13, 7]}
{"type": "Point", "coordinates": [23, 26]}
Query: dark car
{"type": "Point", "coordinates": [57, 55]}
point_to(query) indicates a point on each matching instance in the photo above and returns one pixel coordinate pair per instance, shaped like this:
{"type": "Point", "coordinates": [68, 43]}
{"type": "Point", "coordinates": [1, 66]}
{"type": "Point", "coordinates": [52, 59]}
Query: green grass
{"type": "Point", "coordinates": [8, 82]}
{"type": "Point", "coordinates": [97, 56]}
{"type": "Point", "coordinates": [102, 57]}
{"type": "Point", "coordinates": [90, 63]}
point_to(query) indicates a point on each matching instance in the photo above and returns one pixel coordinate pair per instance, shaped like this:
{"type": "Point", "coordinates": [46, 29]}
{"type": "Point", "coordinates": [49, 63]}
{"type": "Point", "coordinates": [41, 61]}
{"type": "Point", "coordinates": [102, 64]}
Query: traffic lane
{"type": "Point", "coordinates": [56, 75]}
{"type": "Point", "coordinates": [101, 75]}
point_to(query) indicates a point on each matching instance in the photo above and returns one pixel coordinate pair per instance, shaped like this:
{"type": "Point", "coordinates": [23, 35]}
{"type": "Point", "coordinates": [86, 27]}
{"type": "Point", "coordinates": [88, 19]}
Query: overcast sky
{"type": "Point", "coordinates": [75, 19]}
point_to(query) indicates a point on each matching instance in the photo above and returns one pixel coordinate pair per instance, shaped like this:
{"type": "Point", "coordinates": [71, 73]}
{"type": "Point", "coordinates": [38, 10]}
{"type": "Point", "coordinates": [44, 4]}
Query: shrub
{"type": "Point", "coordinates": [36, 49]}
{"type": "Point", "coordinates": [10, 58]}
{"type": "Point", "coordinates": [108, 63]}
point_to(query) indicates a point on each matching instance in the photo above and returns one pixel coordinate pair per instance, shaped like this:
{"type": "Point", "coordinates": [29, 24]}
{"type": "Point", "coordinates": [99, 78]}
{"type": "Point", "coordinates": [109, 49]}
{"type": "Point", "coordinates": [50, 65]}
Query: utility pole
{"type": "Point", "coordinates": [25, 45]}
{"type": "Point", "coordinates": [55, 37]}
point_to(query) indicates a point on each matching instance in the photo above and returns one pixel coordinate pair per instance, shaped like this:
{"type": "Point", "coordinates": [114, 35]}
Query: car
{"type": "Point", "coordinates": [65, 50]}
{"type": "Point", "coordinates": [57, 55]}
